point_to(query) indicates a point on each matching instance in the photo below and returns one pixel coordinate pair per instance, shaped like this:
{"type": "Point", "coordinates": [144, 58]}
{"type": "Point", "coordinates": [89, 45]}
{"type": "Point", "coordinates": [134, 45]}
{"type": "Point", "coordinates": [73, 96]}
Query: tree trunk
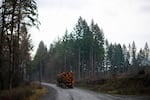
{"type": "Point", "coordinates": [91, 60]}
{"type": "Point", "coordinates": [65, 62]}
{"type": "Point", "coordinates": [2, 44]}
{"type": "Point", "coordinates": [40, 73]}
{"type": "Point", "coordinates": [94, 63]}
{"type": "Point", "coordinates": [17, 56]}
{"type": "Point", "coordinates": [79, 63]}
{"type": "Point", "coordinates": [11, 62]}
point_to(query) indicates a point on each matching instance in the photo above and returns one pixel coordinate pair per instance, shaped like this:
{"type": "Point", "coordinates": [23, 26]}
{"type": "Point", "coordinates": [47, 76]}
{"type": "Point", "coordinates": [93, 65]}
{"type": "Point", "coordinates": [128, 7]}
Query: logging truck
{"type": "Point", "coordinates": [65, 80]}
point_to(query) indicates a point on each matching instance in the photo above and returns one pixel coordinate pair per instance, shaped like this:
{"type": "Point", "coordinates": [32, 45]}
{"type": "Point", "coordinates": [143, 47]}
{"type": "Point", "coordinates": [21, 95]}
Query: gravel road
{"type": "Point", "coordinates": [57, 93]}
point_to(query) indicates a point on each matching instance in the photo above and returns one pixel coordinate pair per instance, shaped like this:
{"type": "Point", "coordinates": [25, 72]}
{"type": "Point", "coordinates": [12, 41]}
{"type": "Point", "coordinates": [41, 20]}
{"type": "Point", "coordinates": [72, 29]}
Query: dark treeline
{"type": "Point", "coordinates": [16, 17]}
{"type": "Point", "coordinates": [88, 54]}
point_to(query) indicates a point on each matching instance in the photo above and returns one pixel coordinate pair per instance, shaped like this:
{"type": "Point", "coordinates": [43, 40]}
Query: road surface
{"type": "Point", "coordinates": [57, 93]}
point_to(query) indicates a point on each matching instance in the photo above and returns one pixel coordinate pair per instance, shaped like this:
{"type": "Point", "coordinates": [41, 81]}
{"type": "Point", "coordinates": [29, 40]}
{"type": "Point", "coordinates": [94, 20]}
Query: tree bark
{"type": "Point", "coordinates": [79, 63]}
{"type": "Point", "coordinates": [11, 55]}
{"type": "Point", "coordinates": [91, 60]}
{"type": "Point", "coordinates": [2, 43]}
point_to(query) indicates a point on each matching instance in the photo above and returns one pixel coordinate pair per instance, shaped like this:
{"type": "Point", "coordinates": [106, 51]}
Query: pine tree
{"type": "Point", "coordinates": [106, 61]}
{"type": "Point", "coordinates": [80, 31]}
{"type": "Point", "coordinates": [111, 57]}
{"type": "Point", "coordinates": [140, 58]}
{"type": "Point", "coordinates": [134, 63]}
{"type": "Point", "coordinates": [98, 47]}
{"type": "Point", "coordinates": [14, 14]}
{"type": "Point", "coordinates": [40, 59]}
{"type": "Point", "coordinates": [126, 58]}
{"type": "Point", "coordinates": [25, 54]}
{"type": "Point", "coordinates": [146, 55]}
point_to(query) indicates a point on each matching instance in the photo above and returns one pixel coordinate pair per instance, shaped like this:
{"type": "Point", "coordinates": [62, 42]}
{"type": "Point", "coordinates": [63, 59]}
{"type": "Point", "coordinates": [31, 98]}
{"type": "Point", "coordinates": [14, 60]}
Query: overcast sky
{"type": "Point", "coordinates": [122, 21]}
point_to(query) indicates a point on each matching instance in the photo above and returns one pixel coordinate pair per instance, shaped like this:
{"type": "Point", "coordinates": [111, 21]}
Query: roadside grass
{"type": "Point", "coordinates": [30, 91]}
{"type": "Point", "coordinates": [135, 85]}
{"type": "Point", "coordinates": [38, 92]}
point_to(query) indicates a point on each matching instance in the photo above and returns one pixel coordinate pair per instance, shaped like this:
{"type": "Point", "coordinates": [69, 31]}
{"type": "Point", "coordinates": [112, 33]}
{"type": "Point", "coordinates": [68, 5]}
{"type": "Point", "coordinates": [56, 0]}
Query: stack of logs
{"type": "Point", "coordinates": [65, 79]}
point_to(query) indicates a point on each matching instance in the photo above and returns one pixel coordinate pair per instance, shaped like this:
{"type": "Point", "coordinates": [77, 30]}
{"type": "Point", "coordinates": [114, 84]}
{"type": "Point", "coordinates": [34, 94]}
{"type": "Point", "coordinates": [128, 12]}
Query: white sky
{"type": "Point", "coordinates": [123, 21]}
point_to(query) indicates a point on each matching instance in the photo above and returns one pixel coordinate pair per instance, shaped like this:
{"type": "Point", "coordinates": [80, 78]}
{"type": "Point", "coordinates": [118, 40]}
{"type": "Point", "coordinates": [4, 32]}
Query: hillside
{"type": "Point", "coordinates": [138, 84]}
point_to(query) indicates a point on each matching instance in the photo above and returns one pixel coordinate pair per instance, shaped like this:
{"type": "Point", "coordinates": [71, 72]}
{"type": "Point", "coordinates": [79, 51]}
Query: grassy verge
{"type": "Point", "coordinates": [135, 85]}
{"type": "Point", "coordinates": [31, 91]}
{"type": "Point", "coordinates": [37, 93]}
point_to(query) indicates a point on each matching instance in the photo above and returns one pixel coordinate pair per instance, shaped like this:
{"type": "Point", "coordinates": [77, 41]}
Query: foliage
{"type": "Point", "coordinates": [39, 62]}
{"type": "Point", "coordinates": [81, 51]}
{"type": "Point", "coordinates": [85, 52]}
{"type": "Point", "coordinates": [16, 17]}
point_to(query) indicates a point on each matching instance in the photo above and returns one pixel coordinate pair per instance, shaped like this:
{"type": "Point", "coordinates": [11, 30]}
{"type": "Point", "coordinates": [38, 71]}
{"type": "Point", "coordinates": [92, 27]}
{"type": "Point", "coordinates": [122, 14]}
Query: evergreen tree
{"type": "Point", "coordinates": [80, 31]}
{"type": "Point", "coordinates": [98, 47]}
{"type": "Point", "coordinates": [134, 63]}
{"type": "Point", "coordinates": [107, 60]}
{"type": "Point", "coordinates": [111, 57]}
{"type": "Point", "coordinates": [25, 53]}
{"type": "Point", "coordinates": [14, 14]}
{"type": "Point", "coordinates": [146, 55]}
{"type": "Point", "coordinates": [140, 58]}
{"type": "Point", "coordinates": [40, 60]}
{"type": "Point", "coordinates": [126, 58]}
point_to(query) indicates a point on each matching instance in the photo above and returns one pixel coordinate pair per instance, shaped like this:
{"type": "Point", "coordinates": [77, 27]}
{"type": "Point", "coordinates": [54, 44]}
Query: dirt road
{"type": "Point", "coordinates": [57, 93]}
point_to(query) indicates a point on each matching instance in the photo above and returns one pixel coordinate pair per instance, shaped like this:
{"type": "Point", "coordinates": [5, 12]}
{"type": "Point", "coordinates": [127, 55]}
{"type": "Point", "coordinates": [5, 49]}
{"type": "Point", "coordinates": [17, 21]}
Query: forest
{"type": "Point", "coordinates": [87, 53]}
{"type": "Point", "coordinates": [84, 51]}
{"type": "Point", "coordinates": [16, 18]}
